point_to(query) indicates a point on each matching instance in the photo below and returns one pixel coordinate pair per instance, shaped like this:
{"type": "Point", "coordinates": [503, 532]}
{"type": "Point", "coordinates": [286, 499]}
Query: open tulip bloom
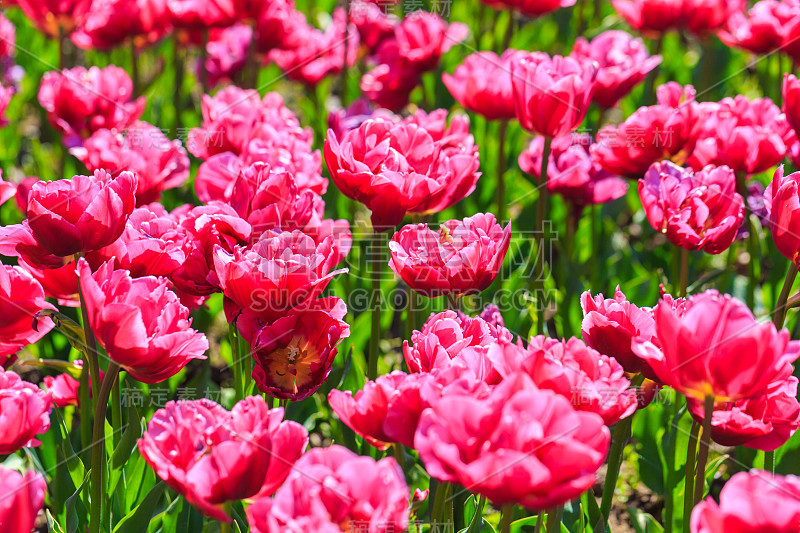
{"type": "Point", "coordinates": [199, 200]}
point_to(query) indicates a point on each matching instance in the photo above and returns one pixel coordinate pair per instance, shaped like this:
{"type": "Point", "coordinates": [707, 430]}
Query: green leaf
{"type": "Point", "coordinates": [74, 518]}
{"type": "Point", "coordinates": [643, 522]}
{"type": "Point", "coordinates": [137, 520]}
{"type": "Point", "coordinates": [128, 441]}
{"type": "Point", "coordinates": [77, 470]}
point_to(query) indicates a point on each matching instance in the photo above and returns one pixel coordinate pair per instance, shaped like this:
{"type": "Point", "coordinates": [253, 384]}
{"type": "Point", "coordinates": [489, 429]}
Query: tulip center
{"type": "Point", "coordinates": [291, 366]}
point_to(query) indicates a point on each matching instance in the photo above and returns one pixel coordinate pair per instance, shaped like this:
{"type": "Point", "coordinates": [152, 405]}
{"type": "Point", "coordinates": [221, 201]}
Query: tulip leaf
{"type": "Point", "coordinates": [75, 518]}
{"type": "Point", "coordinates": [57, 364]}
{"type": "Point", "coordinates": [71, 330]}
{"type": "Point", "coordinates": [132, 432]}
{"type": "Point", "coordinates": [643, 522]}
{"type": "Point", "coordinates": [77, 470]}
{"type": "Point", "coordinates": [138, 519]}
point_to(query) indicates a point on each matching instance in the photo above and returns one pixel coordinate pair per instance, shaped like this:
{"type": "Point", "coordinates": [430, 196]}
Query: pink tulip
{"type": "Point", "coordinates": [791, 97]}
{"type": "Point", "coordinates": [782, 202]}
{"type": "Point", "coordinates": [373, 23]}
{"type": "Point", "coordinates": [65, 389]}
{"type": "Point", "coordinates": [696, 211]}
{"type": "Point", "coordinates": [81, 101]}
{"type": "Point", "coordinates": [201, 14]}
{"type": "Point", "coordinates": [702, 346]}
{"type": "Point", "coordinates": [591, 381]}
{"type": "Point", "coordinates": [5, 98]}
{"type": "Point", "coordinates": [764, 422]}
{"type": "Point", "coordinates": [333, 486]}
{"type": "Point", "coordinates": [294, 354]}
{"type": "Point", "coordinates": [708, 16]}
{"type": "Point", "coordinates": [405, 167]}
{"type": "Point", "coordinates": [280, 25]}
{"type": "Point", "coordinates": [23, 496]}
{"type": "Point", "coordinates": [55, 16]}
{"type": "Point", "coordinates": [229, 118]}
{"type": "Point", "coordinates": [358, 112]}
{"type": "Point", "coordinates": [623, 62]}
{"type": "Point", "coordinates": [551, 95]}
{"type": "Point", "coordinates": [24, 412]}
{"type": "Point", "coordinates": [213, 456]}
{"type": "Point", "coordinates": [445, 335]}
{"type": "Point", "coordinates": [390, 82]}
{"type": "Point", "coordinates": [226, 53]}
{"type": "Point", "coordinates": [110, 23]}
{"type": "Point", "coordinates": [572, 171]}
{"type": "Point", "coordinates": [658, 16]}
{"type": "Point", "coordinates": [751, 502]}
{"type": "Point", "coordinates": [476, 442]}
{"type": "Point", "coordinates": [321, 53]}
{"type": "Point", "coordinates": [159, 163]}
{"type": "Point", "coordinates": [482, 84]}
{"type": "Point", "coordinates": [748, 136]}
{"type": "Point", "coordinates": [21, 297]}
{"type": "Point", "coordinates": [152, 244]}
{"type": "Point", "coordinates": [7, 190]}
{"type": "Point", "coordinates": [59, 283]}
{"type": "Point", "coordinates": [281, 271]}
{"type": "Point", "coordinates": [651, 134]}
{"type": "Point", "coordinates": [463, 256]}
{"type": "Point", "coordinates": [81, 214]}
{"type": "Point", "coordinates": [140, 322]}
{"type": "Point", "coordinates": [613, 326]}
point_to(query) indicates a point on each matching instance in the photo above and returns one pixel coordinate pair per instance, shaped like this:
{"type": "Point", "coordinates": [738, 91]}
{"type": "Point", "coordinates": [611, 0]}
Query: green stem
{"type": "Point", "coordinates": [669, 452]}
{"type": "Point", "coordinates": [98, 446]}
{"type": "Point", "coordinates": [116, 411]}
{"type": "Point", "coordinates": [684, 272]}
{"type": "Point", "coordinates": [85, 407]}
{"type": "Point", "coordinates": [225, 527]}
{"type": "Point", "coordinates": [649, 95]}
{"type": "Point", "coordinates": [475, 524]}
{"type": "Point", "coordinates": [135, 70]}
{"type": "Point", "coordinates": [344, 72]}
{"type": "Point", "coordinates": [500, 193]}
{"type": "Point", "coordinates": [622, 432]}
{"type": "Point", "coordinates": [541, 209]}
{"type": "Point", "coordinates": [506, 517]}
{"type": "Point", "coordinates": [452, 301]}
{"type": "Point", "coordinates": [688, 481]}
{"type": "Point", "coordinates": [177, 100]}
{"type": "Point", "coordinates": [204, 56]}
{"type": "Point", "coordinates": [769, 462]}
{"type": "Point", "coordinates": [554, 519]}
{"type": "Point", "coordinates": [752, 241]}
{"type": "Point", "coordinates": [780, 305]}
{"type": "Point", "coordinates": [399, 455]}
{"type": "Point", "coordinates": [702, 454]}
{"type": "Point", "coordinates": [539, 519]}
{"type": "Point", "coordinates": [440, 515]}
{"type": "Point", "coordinates": [238, 379]}
{"type": "Point", "coordinates": [376, 269]}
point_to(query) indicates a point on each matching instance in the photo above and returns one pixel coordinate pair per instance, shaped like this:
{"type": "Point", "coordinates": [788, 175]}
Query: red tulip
{"type": "Point", "coordinates": [764, 28]}
{"type": "Point", "coordinates": [707, 16]}
{"type": "Point", "coordinates": [464, 256]}
{"type": "Point", "coordinates": [751, 502]}
{"type": "Point", "coordinates": [21, 297]}
{"type": "Point", "coordinates": [140, 322]}
{"type": "Point", "coordinates": [7, 190]}
{"type": "Point", "coordinates": [356, 114]}
{"type": "Point", "coordinates": [24, 412]}
{"type": "Point", "coordinates": [390, 82]}
{"type": "Point", "coordinates": [152, 244]}
{"type": "Point", "coordinates": [373, 23]}
{"type": "Point", "coordinates": [81, 101]}
{"type": "Point", "coordinates": [423, 37]}
{"type": "Point", "coordinates": [530, 8]}
{"type": "Point", "coordinates": [572, 171]}
{"type": "Point", "coordinates": [482, 84]}
{"type": "Point", "coordinates": [201, 14]}
{"type": "Point", "coordinates": [229, 118]}
{"type": "Point", "coordinates": [110, 23]}
{"type": "Point", "coordinates": [52, 17]}
{"type": "Point", "coordinates": [650, 134]}
{"type": "Point", "coordinates": [791, 97]}
{"type": "Point", "coordinates": [592, 381]}
{"type": "Point", "coordinates": [748, 136]}
{"type": "Point", "coordinates": [623, 62]}
{"type": "Point", "coordinates": [281, 271]}
{"type": "Point", "coordinates": [17, 240]}
{"type": "Point", "coordinates": [320, 53]}
{"type": "Point", "coordinates": [551, 95]}
{"type": "Point", "coordinates": [294, 354]}
{"type": "Point", "coordinates": [206, 227]}
{"type": "Point", "coordinates": [657, 16]}
{"type": "Point", "coordinates": [445, 335]}
{"type": "Point", "coordinates": [5, 98]}
{"type": "Point", "coordinates": [23, 189]}
{"type": "Point", "coordinates": [405, 167]}
{"type": "Point", "coordinates": [331, 488]}
{"type": "Point", "coordinates": [476, 442]}
{"type": "Point", "coordinates": [81, 214]}
{"type": "Point", "coordinates": [213, 456]}
{"type": "Point", "coordinates": [280, 25]}
{"type": "Point", "coordinates": [23, 496]}
{"type": "Point", "coordinates": [159, 163]}
{"type": "Point", "coordinates": [613, 326]}
{"type": "Point", "coordinates": [696, 211]}
{"type": "Point", "coordinates": [764, 422]}
{"type": "Point", "coordinates": [64, 388]}
{"type": "Point", "coordinates": [782, 202]}
{"type": "Point", "coordinates": [702, 346]}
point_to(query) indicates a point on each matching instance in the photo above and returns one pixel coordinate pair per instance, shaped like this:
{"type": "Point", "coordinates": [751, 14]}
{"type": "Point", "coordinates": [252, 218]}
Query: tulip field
{"type": "Point", "coordinates": [377, 266]}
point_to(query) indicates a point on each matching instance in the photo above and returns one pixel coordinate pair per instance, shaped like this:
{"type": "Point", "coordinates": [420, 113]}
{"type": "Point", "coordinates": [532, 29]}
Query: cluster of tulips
{"type": "Point", "coordinates": [154, 269]}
